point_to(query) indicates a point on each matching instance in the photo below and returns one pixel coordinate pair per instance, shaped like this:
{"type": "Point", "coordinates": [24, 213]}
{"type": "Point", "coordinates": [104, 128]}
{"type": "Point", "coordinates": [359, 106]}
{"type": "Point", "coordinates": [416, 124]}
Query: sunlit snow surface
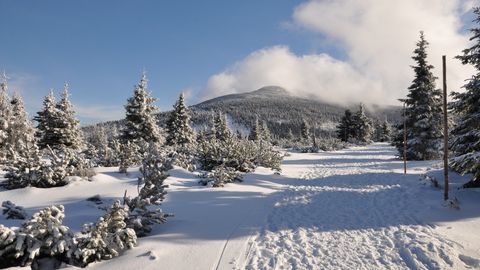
{"type": "Point", "coordinates": [350, 209]}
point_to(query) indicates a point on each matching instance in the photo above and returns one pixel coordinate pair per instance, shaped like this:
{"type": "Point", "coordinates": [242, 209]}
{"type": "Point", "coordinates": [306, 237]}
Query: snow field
{"type": "Point", "coordinates": [349, 209]}
{"type": "Point", "coordinates": [355, 210]}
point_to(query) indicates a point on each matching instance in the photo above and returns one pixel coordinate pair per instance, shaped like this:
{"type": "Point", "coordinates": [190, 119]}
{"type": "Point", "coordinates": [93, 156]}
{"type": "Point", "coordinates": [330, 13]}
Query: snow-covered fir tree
{"type": "Point", "coordinates": [105, 239]}
{"type": "Point", "coordinates": [23, 156]}
{"type": "Point", "coordinates": [5, 113]}
{"type": "Point", "coordinates": [220, 127]}
{"type": "Point", "coordinates": [129, 155]}
{"type": "Point", "coordinates": [67, 126]}
{"type": "Point", "coordinates": [20, 132]}
{"type": "Point", "coordinates": [255, 131]}
{"type": "Point", "coordinates": [466, 133]}
{"type": "Point", "coordinates": [179, 131]}
{"type": "Point", "coordinates": [47, 119]}
{"type": "Point", "coordinates": [154, 166]}
{"type": "Point", "coordinates": [423, 109]}
{"type": "Point", "coordinates": [265, 132]}
{"type": "Point", "coordinates": [305, 130]}
{"type": "Point", "coordinates": [346, 129]}
{"type": "Point", "coordinates": [44, 235]}
{"type": "Point", "coordinates": [362, 125]}
{"type": "Point", "coordinates": [140, 115]}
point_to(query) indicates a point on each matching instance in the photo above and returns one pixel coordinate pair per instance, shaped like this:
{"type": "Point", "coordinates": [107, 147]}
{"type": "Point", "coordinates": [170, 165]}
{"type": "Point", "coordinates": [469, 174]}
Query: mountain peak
{"type": "Point", "coordinates": [271, 90]}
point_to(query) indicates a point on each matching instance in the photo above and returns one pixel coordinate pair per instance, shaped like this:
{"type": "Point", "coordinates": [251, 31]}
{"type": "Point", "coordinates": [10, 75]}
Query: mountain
{"type": "Point", "coordinates": [281, 111]}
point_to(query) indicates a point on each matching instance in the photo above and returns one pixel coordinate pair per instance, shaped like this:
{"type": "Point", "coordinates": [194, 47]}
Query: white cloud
{"type": "Point", "coordinates": [320, 76]}
{"type": "Point", "coordinates": [378, 38]}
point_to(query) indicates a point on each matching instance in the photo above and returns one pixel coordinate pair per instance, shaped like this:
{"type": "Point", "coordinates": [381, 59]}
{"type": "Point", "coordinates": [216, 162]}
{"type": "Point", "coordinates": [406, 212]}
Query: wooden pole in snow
{"type": "Point", "coordinates": [445, 129]}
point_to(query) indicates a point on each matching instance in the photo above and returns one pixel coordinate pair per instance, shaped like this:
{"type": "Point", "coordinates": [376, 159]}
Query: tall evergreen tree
{"type": "Point", "coordinates": [140, 121]}
{"type": "Point", "coordinates": [21, 134]}
{"type": "Point", "coordinates": [222, 132]}
{"type": "Point", "coordinates": [47, 123]}
{"type": "Point", "coordinates": [5, 112]}
{"type": "Point", "coordinates": [24, 159]}
{"type": "Point", "coordinates": [180, 133]}
{"type": "Point", "coordinates": [362, 125]}
{"type": "Point", "coordinates": [305, 130]}
{"type": "Point", "coordinates": [266, 136]}
{"type": "Point", "coordinates": [67, 126]}
{"type": "Point", "coordinates": [345, 129]}
{"type": "Point", "coordinates": [255, 131]}
{"type": "Point", "coordinates": [424, 109]}
{"type": "Point", "coordinates": [466, 134]}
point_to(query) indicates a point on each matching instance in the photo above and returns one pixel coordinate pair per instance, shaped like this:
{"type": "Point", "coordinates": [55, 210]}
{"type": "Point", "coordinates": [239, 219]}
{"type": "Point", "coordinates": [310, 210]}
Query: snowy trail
{"type": "Point", "coordinates": [352, 210]}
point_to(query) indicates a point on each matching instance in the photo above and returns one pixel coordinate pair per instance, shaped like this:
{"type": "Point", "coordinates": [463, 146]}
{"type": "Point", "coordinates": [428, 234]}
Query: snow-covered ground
{"type": "Point", "coordinates": [349, 209]}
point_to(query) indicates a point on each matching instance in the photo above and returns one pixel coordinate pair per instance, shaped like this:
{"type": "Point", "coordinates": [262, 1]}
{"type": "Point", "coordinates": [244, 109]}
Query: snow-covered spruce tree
{"type": "Point", "coordinates": [141, 216]}
{"type": "Point", "coordinates": [47, 119]}
{"type": "Point", "coordinates": [230, 152]}
{"type": "Point", "coordinates": [20, 132]}
{"type": "Point", "coordinates": [129, 155]}
{"type": "Point", "coordinates": [140, 116]}
{"type": "Point", "coordinates": [255, 131]}
{"type": "Point", "coordinates": [222, 132]}
{"type": "Point", "coordinates": [423, 110]}
{"type": "Point", "coordinates": [180, 136]}
{"type": "Point", "coordinates": [67, 126]}
{"type": "Point", "coordinates": [221, 175]}
{"type": "Point", "coordinates": [7, 247]}
{"type": "Point", "coordinates": [25, 170]}
{"type": "Point", "coordinates": [113, 153]}
{"type": "Point", "coordinates": [105, 239]}
{"type": "Point", "coordinates": [5, 114]}
{"type": "Point", "coordinates": [305, 130]}
{"type": "Point", "coordinates": [43, 235]}
{"type": "Point", "coordinates": [22, 153]}
{"type": "Point", "coordinates": [345, 129]}
{"type": "Point", "coordinates": [224, 160]}
{"type": "Point", "coordinates": [265, 132]}
{"type": "Point", "coordinates": [179, 131]}
{"type": "Point", "coordinates": [363, 126]}
{"type": "Point", "coordinates": [465, 143]}
{"type": "Point", "coordinates": [54, 173]}
{"type": "Point", "coordinates": [98, 146]}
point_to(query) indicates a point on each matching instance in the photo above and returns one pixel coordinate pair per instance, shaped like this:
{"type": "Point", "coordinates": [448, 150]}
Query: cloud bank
{"type": "Point", "coordinates": [377, 37]}
{"type": "Point", "coordinates": [318, 75]}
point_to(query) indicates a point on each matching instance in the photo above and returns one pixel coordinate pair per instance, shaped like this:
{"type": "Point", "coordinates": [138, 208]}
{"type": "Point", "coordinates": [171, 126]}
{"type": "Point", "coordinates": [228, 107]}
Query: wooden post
{"type": "Point", "coordinates": [404, 138]}
{"type": "Point", "coordinates": [445, 129]}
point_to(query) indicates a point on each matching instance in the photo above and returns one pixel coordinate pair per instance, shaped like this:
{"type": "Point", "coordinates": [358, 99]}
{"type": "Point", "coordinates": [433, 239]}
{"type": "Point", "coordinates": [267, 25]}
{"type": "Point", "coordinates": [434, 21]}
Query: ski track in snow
{"type": "Point", "coordinates": [349, 210]}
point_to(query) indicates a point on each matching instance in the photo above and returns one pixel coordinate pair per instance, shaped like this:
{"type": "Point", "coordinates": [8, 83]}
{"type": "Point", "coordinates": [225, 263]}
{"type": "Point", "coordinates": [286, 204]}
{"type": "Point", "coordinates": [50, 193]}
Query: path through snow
{"type": "Point", "coordinates": [354, 209]}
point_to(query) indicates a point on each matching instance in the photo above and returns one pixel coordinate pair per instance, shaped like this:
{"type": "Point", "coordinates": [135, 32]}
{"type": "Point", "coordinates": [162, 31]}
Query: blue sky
{"type": "Point", "coordinates": [217, 47]}
{"type": "Point", "coordinates": [101, 47]}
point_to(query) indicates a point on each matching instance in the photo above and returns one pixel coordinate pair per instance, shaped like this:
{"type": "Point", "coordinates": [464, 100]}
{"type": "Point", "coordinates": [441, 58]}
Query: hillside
{"type": "Point", "coordinates": [281, 110]}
